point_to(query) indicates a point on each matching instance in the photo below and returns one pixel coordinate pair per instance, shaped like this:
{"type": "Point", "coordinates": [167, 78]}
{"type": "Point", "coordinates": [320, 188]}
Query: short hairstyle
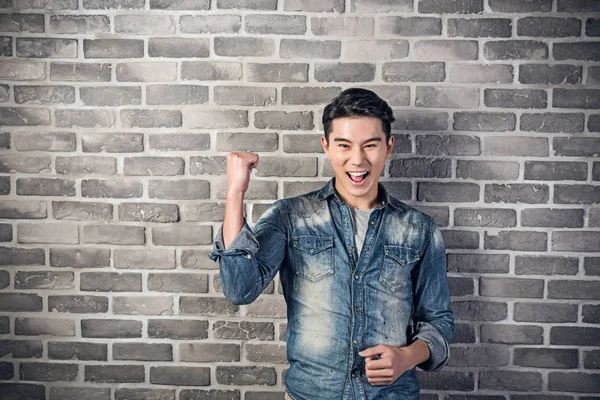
{"type": "Point", "coordinates": [358, 102]}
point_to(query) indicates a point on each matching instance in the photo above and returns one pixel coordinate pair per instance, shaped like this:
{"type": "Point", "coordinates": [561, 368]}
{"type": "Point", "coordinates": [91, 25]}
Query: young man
{"type": "Point", "coordinates": [363, 274]}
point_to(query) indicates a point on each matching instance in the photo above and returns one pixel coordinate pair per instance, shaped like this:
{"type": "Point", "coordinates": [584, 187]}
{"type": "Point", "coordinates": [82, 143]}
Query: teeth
{"type": "Point", "coordinates": [357, 173]}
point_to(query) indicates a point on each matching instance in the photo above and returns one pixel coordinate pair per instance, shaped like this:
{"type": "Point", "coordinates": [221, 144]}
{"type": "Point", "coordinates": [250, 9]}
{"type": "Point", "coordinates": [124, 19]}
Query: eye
{"type": "Point", "coordinates": [343, 145]}
{"type": "Point", "coordinates": [371, 145]}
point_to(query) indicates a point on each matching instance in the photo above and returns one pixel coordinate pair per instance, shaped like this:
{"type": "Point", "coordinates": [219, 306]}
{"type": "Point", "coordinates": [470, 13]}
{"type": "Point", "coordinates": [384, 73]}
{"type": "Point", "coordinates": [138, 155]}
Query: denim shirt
{"type": "Point", "coordinates": [338, 304]}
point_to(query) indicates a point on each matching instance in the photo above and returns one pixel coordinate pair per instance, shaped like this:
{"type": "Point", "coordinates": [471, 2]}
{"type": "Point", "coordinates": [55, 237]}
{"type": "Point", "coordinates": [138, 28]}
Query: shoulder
{"type": "Point", "coordinates": [410, 215]}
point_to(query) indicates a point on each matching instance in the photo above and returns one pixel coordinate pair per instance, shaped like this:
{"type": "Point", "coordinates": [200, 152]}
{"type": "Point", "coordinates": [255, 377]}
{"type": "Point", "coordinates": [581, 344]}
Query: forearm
{"type": "Point", "coordinates": [419, 352]}
{"type": "Point", "coordinates": [234, 217]}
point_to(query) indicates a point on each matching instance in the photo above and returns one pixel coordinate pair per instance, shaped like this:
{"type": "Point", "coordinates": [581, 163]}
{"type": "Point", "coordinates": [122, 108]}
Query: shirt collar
{"type": "Point", "coordinates": [329, 190]}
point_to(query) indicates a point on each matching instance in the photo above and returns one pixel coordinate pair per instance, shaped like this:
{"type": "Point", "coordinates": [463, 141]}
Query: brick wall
{"type": "Point", "coordinates": [115, 118]}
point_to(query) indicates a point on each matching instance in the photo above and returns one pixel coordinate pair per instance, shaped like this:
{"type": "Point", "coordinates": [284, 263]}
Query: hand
{"type": "Point", "coordinates": [239, 166]}
{"type": "Point", "coordinates": [384, 364]}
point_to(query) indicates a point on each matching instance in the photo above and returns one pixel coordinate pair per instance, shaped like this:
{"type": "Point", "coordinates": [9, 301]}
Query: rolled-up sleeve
{"type": "Point", "coordinates": [433, 319]}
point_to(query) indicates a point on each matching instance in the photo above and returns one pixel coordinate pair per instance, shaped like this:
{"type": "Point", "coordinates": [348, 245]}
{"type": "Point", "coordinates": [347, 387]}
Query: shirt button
{"type": "Point", "coordinates": [357, 308]}
{"type": "Point", "coordinates": [372, 222]}
{"type": "Point", "coordinates": [356, 276]}
{"type": "Point", "coordinates": [355, 342]}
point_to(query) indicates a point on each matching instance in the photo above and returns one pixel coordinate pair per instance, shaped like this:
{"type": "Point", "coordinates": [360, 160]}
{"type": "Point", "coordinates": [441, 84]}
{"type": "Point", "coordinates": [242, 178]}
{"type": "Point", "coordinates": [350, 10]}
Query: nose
{"type": "Point", "coordinates": [357, 156]}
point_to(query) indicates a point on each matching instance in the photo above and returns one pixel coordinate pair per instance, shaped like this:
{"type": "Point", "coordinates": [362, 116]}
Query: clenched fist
{"type": "Point", "coordinates": [239, 166]}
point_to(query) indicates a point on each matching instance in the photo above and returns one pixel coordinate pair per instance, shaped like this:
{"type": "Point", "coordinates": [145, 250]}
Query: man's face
{"type": "Point", "coordinates": [357, 151]}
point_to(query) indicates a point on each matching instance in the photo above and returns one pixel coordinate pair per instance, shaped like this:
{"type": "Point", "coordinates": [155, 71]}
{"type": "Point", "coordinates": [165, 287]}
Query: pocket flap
{"type": "Point", "coordinates": [313, 244]}
{"type": "Point", "coordinates": [402, 255]}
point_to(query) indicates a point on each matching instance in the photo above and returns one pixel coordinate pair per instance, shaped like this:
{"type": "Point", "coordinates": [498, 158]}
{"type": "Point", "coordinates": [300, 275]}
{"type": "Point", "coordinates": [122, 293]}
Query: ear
{"type": "Point", "coordinates": [325, 145]}
{"type": "Point", "coordinates": [390, 147]}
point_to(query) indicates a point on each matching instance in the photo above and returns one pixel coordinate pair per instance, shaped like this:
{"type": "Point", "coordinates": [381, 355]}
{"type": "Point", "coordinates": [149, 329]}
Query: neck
{"type": "Point", "coordinates": [364, 202]}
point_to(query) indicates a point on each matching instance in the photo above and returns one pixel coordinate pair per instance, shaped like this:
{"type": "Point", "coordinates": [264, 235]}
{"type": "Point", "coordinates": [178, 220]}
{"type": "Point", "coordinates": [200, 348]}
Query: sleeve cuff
{"type": "Point", "coordinates": [244, 244]}
{"type": "Point", "coordinates": [438, 347]}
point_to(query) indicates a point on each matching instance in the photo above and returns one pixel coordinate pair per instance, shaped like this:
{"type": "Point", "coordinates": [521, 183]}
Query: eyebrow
{"type": "Point", "coordinates": [373, 139]}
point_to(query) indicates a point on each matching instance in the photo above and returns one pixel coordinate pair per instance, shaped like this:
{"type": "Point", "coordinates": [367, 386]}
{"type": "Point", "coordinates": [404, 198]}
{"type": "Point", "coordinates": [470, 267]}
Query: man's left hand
{"type": "Point", "coordinates": [384, 364]}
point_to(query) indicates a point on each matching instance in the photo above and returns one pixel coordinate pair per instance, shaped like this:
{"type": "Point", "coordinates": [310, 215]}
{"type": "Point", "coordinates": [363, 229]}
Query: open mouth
{"type": "Point", "coordinates": [357, 177]}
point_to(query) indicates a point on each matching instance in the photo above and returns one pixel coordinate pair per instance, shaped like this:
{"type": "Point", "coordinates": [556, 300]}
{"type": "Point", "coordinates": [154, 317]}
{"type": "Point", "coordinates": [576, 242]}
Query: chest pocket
{"type": "Point", "coordinates": [398, 261]}
{"type": "Point", "coordinates": [313, 256]}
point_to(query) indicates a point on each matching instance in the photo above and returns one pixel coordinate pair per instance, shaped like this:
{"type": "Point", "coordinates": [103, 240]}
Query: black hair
{"type": "Point", "coordinates": [358, 102]}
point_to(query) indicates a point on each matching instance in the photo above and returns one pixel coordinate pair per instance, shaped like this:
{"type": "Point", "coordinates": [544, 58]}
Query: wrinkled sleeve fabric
{"type": "Point", "coordinates": [433, 319]}
{"type": "Point", "coordinates": [253, 258]}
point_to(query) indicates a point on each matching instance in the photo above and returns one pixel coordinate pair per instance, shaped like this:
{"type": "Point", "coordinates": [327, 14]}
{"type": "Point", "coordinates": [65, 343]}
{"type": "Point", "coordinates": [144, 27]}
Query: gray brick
{"type": "Point", "coordinates": [178, 329]}
{"type": "Point", "coordinates": [308, 143]}
{"type": "Point", "coordinates": [487, 170]}
{"type": "Point", "coordinates": [210, 23]}
{"type": "Point", "coordinates": [144, 258]}
{"type": "Point", "coordinates": [548, 27]}
{"type": "Point", "coordinates": [144, 24]}
{"type": "Point", "coordinates": [593, 76]}
{"type": "Point", "coordinates": [44, 326]}
{"type": "Point", "coordinates": [32, 23]}
{"type": "Point", "coordinates": [17, 391]}
{"type": "Point", "coordinates": [204, 212]}
{"type": "Point", "coordinates": [515, 240]}
{"type": "Point", "coordinates": [447, 97]}
{"type": "Point", "coordinates": [516, 193]}
{"type": "Point", "coordinates": [46, 48]}
{"type": "Point", "coordinates": [555, 170]}
{"type": "Point", "coordinates": [153, 166]}
{"type": "Point", "coordinates": [178, 283]}
{"type": "Point", "coordinates": [449, 6]}
{"type": "Point", "coordinates": [314, 5]}
{"type": "Point", "coordinates": [4, 185]}
{"type": "Point", "coordinates": [344, 72]}
{"type": "Point", "coordinates": [515, 146]}
{"type": "Point", "coordinates": [447, 50]}
{"type": "Point", "coordinates": [461, 239]}
{"type": "Point", "coordinates": [12, 163]}
{"type": "Point", "coordinates": [21, 348]}
{"type": "Point", "coordinates": [582, 241]}
{"type": "Point", "coordinates": [18, 116]}
{"type": "Point", "coordinates": [594, 123]}
{"type": "Point", "coordinates": [294, 120]}
{"type": "Point", "coordinates": [590, 313]}
{"type": "Point", "coordinates": [180, 4]}
{"type": "Point", "coordinates": [518, 6]}
{"type": "Point", "coordinates": [546, 265]}
{"type": "Point", "coordinates": [277, 72]}
{"type": "Point", "coordinates": [23, 209]}
{"type": "Point", "coordinates": [6, 234]}
{"type": "Point", "coordinates": [54, 5]}
{"type": "Point", "coordinates": [46, 141]}
{"type": "Point", "coordinates": [266, 353]}
{"type": "Point", "coordinates": [292, 189]}
{"type": "Point", "coordinates": [421, 168]}
{"type": "Point", "coordinates": [44, 94]}
{"type": "Point", "coordinates": [574, 336]}
{"type": "Point", "coordinates": [143, 351]}
{"type": "Point", "coordinates": [209, 306]}
{"type": "Point", "coordinates": [592, 27]}
{"type": "Point", "coordinates": [511, 287]}
{"type": "Point", "coordinates": [176, 94]}
{"type": "Point", "coordinates": [114, 234]}
{"type": "Point", "coordinates": [244, 96]}
{"type": "Point", "coordinates": [84, 118]}
{"type": "Point", "coordinates": [113, 4]}
{"type": "Point", "coordinates": [244, 46]}
{"type": "Point", "coordinates": [48, 372]}
{"type": "Point", "coordinates": [77, 350]}
{"type": "Point", "coordinates": [20, 302]}
{"type": "Point", "coordinates": [250, 375]}
{"type": "Point", "coordinates": [44, 280]}
{"type": "Point", "coordinates": [182, 235]}
{"type": "Point", "coordinates": [210, 71]}
{"type": "Point", "coordinates": [79, 24]}
{"type": "Point", "coordinates": [574, 382]}
{"type": "Point", "coordinates": [6, 47]}
{"type": "Point", "coordinates": [410, 26]}
{"type": "Point", "coordinates": [178, 47]}
{"type": "Point", "coordinates": [287, 167]}
{"type": "Point", "coordinates": [440, 215]}
{"type": "Point", "coordinates": [110, 282]}
{"type": "Point", "coordinates": [447, 192]}
{"type": "Point", "coordinates": [479, 27]}
{"type": "Point", "coordinates": [576, 51]}
{"type": "Point", "coordinates": [358, 50]}
{"type": "Point", "coordinates": [276, 24]}
{"type": "Point", "coordinates": [342, 26]}
{"type": "Point", "coordinates": [15, 256]}
{"type": "Point", "coordinates": [74, 393]}
{"type": "Point", "coordinates": [86, 165]}
{"type": "Point", "coordinates": [22, 70]}
{"type": "Point", "coordinates": [148, 212]}
{"type": "Point", "coordinates": [114, 373]}
{"type": "Point", "coordinates": [413, 72]}
{"type": "Point", "coordinates": [549, 74]}
{"type": "Point", "coordinates": [313, 49]}
{"type": "Point", "coordinates": [111, 188]}
{"type": "Point", "coordinates": [179, 142]}
{"type": "Point", "coordinates": [217, 119]}
{"type": "Point", "coordinates": [553, 122]}
{"type": "Point", "coordinates": [144, 394]}
{"type": "Point", "coordinates": [484, 356]}
{"type": "Point", "coordinates": [247, 141]}
{"type": "Point", "coordinates": [78, 304]}
{"type": "Point", "coordinates": [154, 71]}
{"type": "Point", "coordinates": [142, 305]}
{"type": "Point", "coordinates": [185, 189]}
{"type": "Point", "coordinates": [515, 50]}
{"type": "Point", "coordinates": [577, 5]}
{"type": "Point", "coordinates": [268, 5]}
{"type": "Point", "coordinates": [308, 95]}
{"type": "Point", "coordinates": [552, 218]}
{"type": "Point", "coordinates": [5, 327]}
{"type": "Point", "coordinates": [110, 95]}
{"type": "Point", "coordinates": [594, 217]}
{"type": "Point", "coordinates": [484, 121]}
{"type": "Point", "coordinates": [80, 72]}
{"type": "Point", "coordinates": [45, 187]}
{"type": "Point", "coordinates": [394, 95]}
{"type": "Point", "coordinates": [376, 6]}
{"type": "Point", "coordinates": [577, 98]}
{"type": "Point", "coordinates": [112, 142]}
{"type": "Point", "coordinates": [214, 165]}
{"type": "Point", "coordinates": [113, 48]}
{"type": "Point", "coordinates": [515, 98]}
{"type": "Point", "coordinates": [209, 352]}
{"type": "Point", "coordinates": [592, 359]}
{"type": "Point", "coordinates": [463, 381]}
{"type": "Point", "coordinates": [4, 93]}
{"type": "Point", "coordinates": [151, 118]}
{"type": "Point", "coordinates": [478, 263]}
{"type": "Point", "coordinates": [545, 312]}
{"type": "Point", "coordinates": [180, 376]}
{"type": "Point", "coordinates": [490, 217]}
{"type": "Point", "coordinates": [243, 330]}
{"type": "Point", "coordinates": [510, 380]}
{"type": "Point", "coordinates": [471, 310]}
{"type": "Point", "coordinates": [80, 257]}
